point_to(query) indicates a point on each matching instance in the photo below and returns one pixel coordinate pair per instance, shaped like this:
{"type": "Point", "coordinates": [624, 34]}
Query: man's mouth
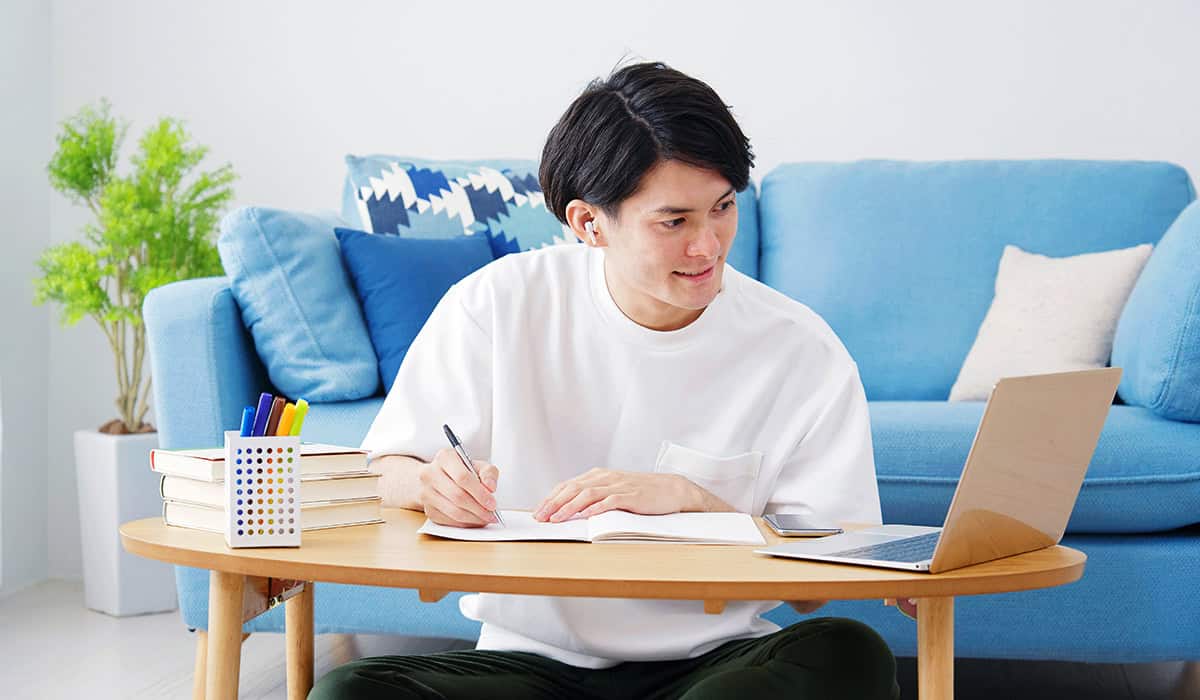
{"type": "Point", "coordinates": [699, 275]}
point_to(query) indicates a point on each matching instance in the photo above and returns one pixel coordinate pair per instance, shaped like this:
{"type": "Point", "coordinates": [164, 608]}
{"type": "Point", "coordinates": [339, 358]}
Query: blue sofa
{"type": "Point", "coordinates": [900, 258]}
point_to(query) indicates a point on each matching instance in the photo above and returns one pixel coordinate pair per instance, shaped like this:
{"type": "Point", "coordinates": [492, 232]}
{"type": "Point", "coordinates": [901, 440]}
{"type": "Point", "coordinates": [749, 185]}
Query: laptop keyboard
{"type": "Point", "coordinates": [909, 549]}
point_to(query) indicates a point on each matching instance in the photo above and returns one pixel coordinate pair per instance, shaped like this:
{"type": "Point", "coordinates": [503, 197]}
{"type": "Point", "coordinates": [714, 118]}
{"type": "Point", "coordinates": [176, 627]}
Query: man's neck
{"type": "Point", "coordinates": [645, 310]}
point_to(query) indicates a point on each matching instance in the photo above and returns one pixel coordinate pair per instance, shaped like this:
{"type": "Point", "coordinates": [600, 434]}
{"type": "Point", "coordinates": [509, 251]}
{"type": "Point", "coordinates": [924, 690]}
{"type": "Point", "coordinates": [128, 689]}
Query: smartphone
{"type": "Point", "coordinates": [799, 526]}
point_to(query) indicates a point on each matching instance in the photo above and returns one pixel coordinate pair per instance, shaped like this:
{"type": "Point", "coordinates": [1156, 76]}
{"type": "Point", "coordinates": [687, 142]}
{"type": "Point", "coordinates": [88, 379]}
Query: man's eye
{"type": "Point", "coordinates": [673, 223]}
{"type": "Point", "coordinates": [726, 205]}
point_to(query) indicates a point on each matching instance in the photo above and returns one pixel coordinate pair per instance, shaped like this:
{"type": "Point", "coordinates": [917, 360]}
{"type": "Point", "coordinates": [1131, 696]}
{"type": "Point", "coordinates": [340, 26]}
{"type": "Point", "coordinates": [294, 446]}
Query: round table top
{"type": "Point", "coordinates": [393, 554]}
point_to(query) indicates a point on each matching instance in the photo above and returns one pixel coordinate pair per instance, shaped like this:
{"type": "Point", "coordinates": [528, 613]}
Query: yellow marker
{"type": "Point", "coordinates": [285, 420]}
{"type": "Point", "coordinates": [301, 412]}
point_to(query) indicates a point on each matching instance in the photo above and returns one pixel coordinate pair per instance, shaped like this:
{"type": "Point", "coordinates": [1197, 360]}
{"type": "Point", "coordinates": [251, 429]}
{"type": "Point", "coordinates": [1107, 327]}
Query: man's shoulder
{"type": "Point", "coordinates": [523, 277]}
{"type": "Point", "coordinates": [528, 265]}
{"type": "Point", "coordinates": [550, 258]}
{"type": "Point", "coordinates": [792, 325]}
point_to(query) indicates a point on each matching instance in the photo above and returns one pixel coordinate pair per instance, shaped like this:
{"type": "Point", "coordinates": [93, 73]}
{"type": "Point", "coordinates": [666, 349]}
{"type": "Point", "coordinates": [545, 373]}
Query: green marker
{"type": "Point", "coordinates": [301, 412]}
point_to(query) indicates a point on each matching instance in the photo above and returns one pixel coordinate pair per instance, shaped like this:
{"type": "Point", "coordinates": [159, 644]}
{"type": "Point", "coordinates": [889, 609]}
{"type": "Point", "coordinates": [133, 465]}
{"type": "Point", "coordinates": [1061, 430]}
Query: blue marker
{"type": "Point", "coordinates": [247, 421]}
{"type": "Point", "coordinates": [263, 413]}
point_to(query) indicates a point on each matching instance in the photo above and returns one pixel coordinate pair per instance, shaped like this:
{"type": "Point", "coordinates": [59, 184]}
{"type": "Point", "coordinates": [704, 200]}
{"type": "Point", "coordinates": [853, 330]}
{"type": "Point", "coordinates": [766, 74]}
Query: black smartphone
{"type": "Point", "coordinates": [799, 526]}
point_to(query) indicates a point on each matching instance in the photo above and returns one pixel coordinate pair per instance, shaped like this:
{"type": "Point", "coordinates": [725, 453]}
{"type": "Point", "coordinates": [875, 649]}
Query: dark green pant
{"type": "Point", "coordinates": [823, 658]}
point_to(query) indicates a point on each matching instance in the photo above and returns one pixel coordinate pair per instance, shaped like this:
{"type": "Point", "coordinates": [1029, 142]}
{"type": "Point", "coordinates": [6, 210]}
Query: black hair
{"type": "Point", "coordinates": [620, 127]}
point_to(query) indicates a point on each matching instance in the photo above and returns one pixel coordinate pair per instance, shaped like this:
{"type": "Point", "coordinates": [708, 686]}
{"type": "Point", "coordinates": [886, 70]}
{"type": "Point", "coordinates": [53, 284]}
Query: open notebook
{"type": "Point", "coordinates": [612, 526]}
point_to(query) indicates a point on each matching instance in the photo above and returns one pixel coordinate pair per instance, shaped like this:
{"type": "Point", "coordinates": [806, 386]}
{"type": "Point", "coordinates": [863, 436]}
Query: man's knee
{"type": "Point", "coordinates": [360, 679]}
{"type": "Point", "coordinates": [848, 650]}
{"type": "Point", "coordinates": [338, 683]}
{"type": "Point", "coordinates": [852, 636]}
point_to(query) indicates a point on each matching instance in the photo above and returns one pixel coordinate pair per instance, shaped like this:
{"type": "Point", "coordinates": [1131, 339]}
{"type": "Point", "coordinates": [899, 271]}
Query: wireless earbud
{"type": "Point", "coordinates": [590, 228]}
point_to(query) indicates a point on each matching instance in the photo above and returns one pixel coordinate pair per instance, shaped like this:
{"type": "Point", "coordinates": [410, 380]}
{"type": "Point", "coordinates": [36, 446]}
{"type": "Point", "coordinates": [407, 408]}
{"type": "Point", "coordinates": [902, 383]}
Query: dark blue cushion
{"type": "Point", "coordinates": [399, 280]}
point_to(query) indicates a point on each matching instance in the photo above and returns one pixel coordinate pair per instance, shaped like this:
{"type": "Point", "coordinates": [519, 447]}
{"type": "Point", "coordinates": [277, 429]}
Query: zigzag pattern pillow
{"type": "Point", "coordinates": [500, 199]}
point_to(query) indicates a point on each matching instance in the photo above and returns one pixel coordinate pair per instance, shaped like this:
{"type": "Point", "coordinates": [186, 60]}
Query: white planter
{"type": "Point", "coordinates": [115, 486]}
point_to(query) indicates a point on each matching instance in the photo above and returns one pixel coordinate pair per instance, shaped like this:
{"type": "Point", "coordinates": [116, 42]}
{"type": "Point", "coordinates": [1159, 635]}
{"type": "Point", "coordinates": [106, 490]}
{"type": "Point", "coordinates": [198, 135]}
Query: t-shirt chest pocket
{"type": "Point", "coordinates": [732, 478]}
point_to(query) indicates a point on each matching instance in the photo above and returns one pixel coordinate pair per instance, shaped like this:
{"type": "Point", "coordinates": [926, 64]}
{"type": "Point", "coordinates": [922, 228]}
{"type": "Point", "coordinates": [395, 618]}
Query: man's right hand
{"type": "Point", "coordinates": [908, 606]}
{"type": "Point", "coordinates": [452, 495]}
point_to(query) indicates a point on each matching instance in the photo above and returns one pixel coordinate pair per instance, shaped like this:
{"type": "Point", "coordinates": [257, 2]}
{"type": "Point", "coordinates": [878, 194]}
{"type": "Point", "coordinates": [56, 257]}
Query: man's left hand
{"type": "Point", "coordinates": [600, 490]}
{"type": "Point", "coordinates": [805, 607]}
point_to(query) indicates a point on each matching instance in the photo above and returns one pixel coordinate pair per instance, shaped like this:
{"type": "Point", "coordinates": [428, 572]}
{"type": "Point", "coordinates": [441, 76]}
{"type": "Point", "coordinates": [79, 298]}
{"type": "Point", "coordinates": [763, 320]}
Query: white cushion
{"type": "Point", "coordinates": [1049, 315]}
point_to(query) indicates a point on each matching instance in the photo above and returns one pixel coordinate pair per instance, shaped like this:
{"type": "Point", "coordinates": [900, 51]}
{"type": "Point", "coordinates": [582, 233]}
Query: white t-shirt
{"type": "Point", "coordinates": [540, 373]}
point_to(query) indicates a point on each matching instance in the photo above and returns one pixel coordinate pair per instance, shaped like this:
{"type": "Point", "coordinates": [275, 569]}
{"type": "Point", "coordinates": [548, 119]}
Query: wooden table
{"type": "Point", "coordinates": [244, 582]}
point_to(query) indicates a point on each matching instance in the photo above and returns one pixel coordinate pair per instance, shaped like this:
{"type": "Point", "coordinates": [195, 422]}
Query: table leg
{"type": "Point", "coordinates": [224, 634]}
{"type": "Point", "coordinates": [935, 648]}
{"type": "Point", "coordinates": [1188, 685]}
{"type": "Point", "coordinates": [298, 620]}
{"type": "Point", "coordinates": [201, 665]}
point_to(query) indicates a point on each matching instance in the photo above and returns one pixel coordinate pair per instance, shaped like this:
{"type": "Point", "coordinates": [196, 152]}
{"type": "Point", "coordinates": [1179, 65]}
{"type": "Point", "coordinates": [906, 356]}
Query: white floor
{"type": "Point", "coordinates": [53, 647]}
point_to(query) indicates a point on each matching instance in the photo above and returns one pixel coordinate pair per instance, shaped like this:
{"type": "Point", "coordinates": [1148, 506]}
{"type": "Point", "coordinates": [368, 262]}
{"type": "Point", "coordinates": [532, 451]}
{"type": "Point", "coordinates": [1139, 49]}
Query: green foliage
{"type": "Point", "coordinates": [153, 226]}
{"type": "Point", "coordinates": [87, 153]}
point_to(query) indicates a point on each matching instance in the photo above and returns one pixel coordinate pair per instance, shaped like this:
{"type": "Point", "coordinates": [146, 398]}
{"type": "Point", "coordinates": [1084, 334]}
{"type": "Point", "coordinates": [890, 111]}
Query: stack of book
{"type": "Point", "coordinates": [336, 489]}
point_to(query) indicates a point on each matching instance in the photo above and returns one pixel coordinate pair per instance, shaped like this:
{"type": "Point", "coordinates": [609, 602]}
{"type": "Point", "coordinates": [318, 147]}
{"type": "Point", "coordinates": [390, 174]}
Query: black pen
{"type": "Point", "coordinates": [466, 460]}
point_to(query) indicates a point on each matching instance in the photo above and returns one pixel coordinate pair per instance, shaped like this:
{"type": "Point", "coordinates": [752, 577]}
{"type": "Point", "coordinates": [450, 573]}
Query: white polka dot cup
{"type": "Point", "coordinates": [262, 490]}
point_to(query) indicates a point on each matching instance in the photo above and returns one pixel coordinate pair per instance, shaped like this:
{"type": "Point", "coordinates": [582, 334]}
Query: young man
{"type": "Point", "coordinates": [637, 372]}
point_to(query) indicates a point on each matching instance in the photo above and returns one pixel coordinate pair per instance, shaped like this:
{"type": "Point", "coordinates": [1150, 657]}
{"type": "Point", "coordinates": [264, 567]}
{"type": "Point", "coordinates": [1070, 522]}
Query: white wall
{"type": "Point", "coordinates": [25, 147]}
{"type": "Point", "coordinates": [284, 90]}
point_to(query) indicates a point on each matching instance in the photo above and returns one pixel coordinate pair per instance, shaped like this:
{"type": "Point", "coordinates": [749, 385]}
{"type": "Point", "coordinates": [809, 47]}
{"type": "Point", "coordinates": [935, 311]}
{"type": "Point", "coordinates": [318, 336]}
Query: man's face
{"type": "Point", "coordinates": [680, 221]}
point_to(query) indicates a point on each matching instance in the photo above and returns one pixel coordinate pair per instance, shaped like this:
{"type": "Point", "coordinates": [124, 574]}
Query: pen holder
{"type": "Point", "coordinates": [262, 490]}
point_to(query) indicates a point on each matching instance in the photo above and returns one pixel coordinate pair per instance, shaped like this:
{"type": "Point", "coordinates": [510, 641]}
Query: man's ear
{"type": "Point", "coordinates": [579, 214]}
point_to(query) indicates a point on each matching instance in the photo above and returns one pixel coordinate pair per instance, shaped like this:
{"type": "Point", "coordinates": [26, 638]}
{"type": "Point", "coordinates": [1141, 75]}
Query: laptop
{"type": "Point", "coordinates": [1017, 489]}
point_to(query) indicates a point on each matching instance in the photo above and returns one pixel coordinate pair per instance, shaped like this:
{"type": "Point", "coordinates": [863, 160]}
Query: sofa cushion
{"type": "Point", "coordinates": [341, 423]}
{"type": "Point", "coordinates": [501, 199]}
{"type": "Point", "coordinates": [1135, 603]}
{"type": "Point", "coordinates": [1049, 315]}
{"type": "Point", "coordinates": [298, 303]}
{"type": "Point", "coordinates": [899, 257]}
{"type": "Point", "coordinates": [1158, 337]}
{"type": "Point", "coordinates": [399, 280]}
{"type": "Point", "coordinates": [1144, 476]}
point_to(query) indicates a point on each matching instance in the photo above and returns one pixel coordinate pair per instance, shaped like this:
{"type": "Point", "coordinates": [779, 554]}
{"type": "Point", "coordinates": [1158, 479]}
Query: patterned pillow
{"type": "Point", "coordinates": [500, 199]}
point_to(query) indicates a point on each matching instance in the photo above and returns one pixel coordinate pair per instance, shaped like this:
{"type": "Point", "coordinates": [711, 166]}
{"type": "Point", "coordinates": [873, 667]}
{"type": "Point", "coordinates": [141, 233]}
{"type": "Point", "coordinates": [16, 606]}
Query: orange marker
{"type": "Point", "coordinates": [285, 420]}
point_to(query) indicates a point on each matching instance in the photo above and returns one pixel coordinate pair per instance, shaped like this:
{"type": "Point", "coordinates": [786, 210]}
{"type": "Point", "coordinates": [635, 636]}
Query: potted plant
{"type": "Point", "coordinates": [152, 226]}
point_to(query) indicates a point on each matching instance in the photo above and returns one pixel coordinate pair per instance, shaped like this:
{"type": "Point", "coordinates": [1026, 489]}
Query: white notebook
{"type": "Point", "coordinates": [612, 526]}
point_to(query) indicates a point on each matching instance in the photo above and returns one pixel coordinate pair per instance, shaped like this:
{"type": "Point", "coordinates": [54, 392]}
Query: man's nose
{"type": "Point", "coordinates": [706, 244]}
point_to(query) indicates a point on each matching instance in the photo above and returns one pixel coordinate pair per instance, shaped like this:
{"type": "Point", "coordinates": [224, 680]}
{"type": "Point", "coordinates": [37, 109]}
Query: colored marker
{"type": "Point", "coordinates": [262, 414]}
{"type": "Point", "coordinates": [298, 421]}
{"type": "Point", "coordinates": [247, 421]}
{"type": "Point", "coordinates": [276, 412]}
{"type": "Point", "coordinates": [285, 420]}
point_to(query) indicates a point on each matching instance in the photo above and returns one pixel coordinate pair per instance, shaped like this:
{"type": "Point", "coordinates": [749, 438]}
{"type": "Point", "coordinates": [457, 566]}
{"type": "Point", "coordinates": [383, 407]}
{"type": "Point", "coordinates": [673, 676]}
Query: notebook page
{"type": "Point", "coordinates": [690, 528]}
{"type": "Point", "coordinates": [519, 525]}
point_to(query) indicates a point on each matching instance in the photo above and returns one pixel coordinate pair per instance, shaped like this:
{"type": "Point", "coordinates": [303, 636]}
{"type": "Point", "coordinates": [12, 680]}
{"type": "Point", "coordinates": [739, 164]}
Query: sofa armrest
{"type": "Point", "coordinates": [203, 363]}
